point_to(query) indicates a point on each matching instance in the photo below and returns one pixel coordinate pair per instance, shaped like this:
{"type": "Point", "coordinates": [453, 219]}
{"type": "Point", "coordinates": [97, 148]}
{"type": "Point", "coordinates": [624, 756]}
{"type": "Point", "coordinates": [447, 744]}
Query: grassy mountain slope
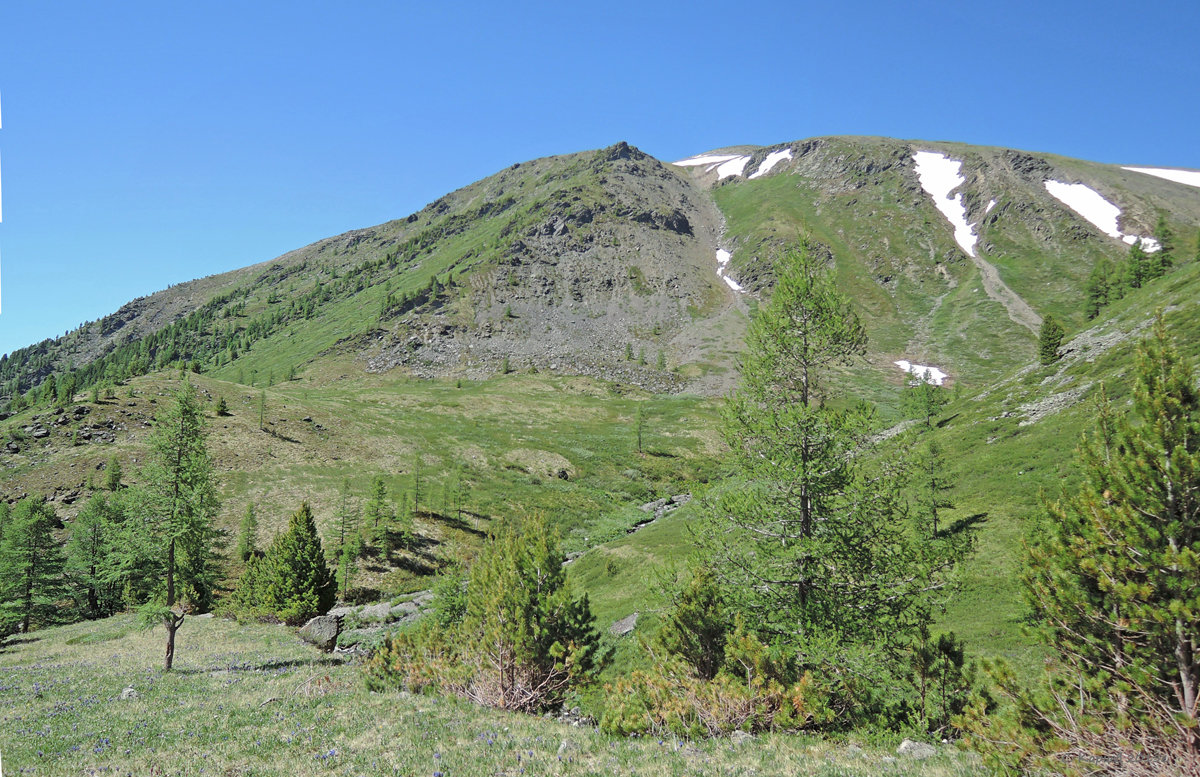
{"type": "Point", "coordinates": [380, 351]}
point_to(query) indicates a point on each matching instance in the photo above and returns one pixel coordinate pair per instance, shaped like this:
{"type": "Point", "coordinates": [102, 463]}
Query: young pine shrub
{"type": "Point", "coordinates": [291, 581]}
{"type": "Point", "coordinates": [523, 643]}
{"type": "Point", "coordinates": [755, 689]}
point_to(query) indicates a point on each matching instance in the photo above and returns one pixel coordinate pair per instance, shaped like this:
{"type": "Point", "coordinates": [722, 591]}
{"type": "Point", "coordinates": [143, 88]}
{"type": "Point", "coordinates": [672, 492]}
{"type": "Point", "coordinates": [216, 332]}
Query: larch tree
{"type": "Point", "coordinates": [31, 566]}
{"type": "Point", "coordinates": [815, 541]}
{"type": "Point", "coordinates": [181, 498]}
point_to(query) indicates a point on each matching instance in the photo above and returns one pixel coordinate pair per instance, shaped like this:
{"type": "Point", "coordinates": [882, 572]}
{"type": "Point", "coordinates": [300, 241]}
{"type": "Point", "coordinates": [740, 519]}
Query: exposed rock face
{"type": "Point", "coordinates": [322, 631]}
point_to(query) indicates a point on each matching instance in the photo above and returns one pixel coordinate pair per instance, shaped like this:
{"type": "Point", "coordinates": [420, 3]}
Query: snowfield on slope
{"type": "Point", "coordinates": [725, 164]}
{"type": "Point", "coordinates": [940, 175]}
{"type": "Point", "coordinates": [1098, 211]}
{"type": "Point", "coordinates": [1189, 177]}
{"type": "Point", "coordinates": [928, 374]}
{"type": "Point", "coordinates": [773, 158]}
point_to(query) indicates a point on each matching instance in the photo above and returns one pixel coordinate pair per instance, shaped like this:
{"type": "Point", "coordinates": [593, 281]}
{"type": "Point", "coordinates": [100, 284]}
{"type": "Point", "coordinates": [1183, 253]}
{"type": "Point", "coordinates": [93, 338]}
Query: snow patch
{"type": "Point", "coordinates": [991, 204]}
{"type": "Point", "coordinates": [696, 161]}
{"type": "Point", "coordinates": [1189, 177]}
{"type": "Point", "coordinates": [773, 158]}
{"type": "Point", "coordinates": [734, 166]}
{"type": "Point", "coordinates": [940, 175]}
{"type": "Point", "coordinates": [1098, 211]}
{"type": "Point", "coordinates": [928, 374]}
{"type": "Point", "coordinates": [725, 164]}
{"type": "Point", "coordinates": [723, 258]}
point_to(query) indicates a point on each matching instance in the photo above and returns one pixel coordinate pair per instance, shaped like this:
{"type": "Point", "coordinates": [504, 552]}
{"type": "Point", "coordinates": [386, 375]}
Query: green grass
{"type": "Point", "coordinates": [251, 699]}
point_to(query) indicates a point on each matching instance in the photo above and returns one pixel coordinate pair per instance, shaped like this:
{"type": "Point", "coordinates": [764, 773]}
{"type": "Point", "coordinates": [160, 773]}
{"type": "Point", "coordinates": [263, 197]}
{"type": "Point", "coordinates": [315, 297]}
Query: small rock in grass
{"type": "Point", "coordinates": [740, 737]}
{"type": "Point", "coordinates": [916, 750]}
{"type": "Point", "coordinates": [129, 693]}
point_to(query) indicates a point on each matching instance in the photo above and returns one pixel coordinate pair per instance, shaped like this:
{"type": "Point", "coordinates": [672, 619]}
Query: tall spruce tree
{"type": "Point", "coordinates": [31, 566]}
{"type": "Point", "coordinates": [181, 499]}
{"type": "Point", "coordinates": [349, 540]}
{"type": "Point", "coordinates": [1097, 289]}
{"type": "Point", "coordinates": [379, 514]}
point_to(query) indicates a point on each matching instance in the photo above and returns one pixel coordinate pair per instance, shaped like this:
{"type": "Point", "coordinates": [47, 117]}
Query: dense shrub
{"type": "Point", "coordinates": [291, 581]}
{"type": "Point", "coordinates": [522, 642]}
{"type": "Point", "coordinates": [755, 689]}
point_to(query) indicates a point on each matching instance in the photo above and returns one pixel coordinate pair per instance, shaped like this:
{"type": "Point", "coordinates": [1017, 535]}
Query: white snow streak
{"type": "Point", "coordinates": [939, 176]}
{"type": "Point", "coordinates": [1189, 177]}
{"type": "Point", "coordinates": [734, 166]}
{"type": "Point", "coordinates": [928, 374]}
{"type": "Point", "coordinates": [1098, 211]}
{"type": "Point", "coordinates": [696, 161]}
{"type": "Point", "coordinates": [773, 158]}
{"type": "Point", "coordinates": [723, 258]}
{"type": "Point", "coordinates": [725, 164]}
{"type": "Point", "coordinates": [988, 209]}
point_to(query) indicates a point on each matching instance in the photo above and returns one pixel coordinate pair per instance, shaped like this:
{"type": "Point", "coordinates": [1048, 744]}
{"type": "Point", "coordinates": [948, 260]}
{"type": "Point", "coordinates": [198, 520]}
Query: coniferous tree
{"type": "Point", "coordinates": [1164, 258]}
{"type": "Point", "coordinates": [1114, 578]}
{"type": "Point", "coordinates": [697, 624]}
{"type": "Point", "coordinates": [31, 566]}
{"type": "Point", "coordinates": [1050, 337]}
{"type": "Point", "coordinates": [379, 515]}
{"type": "Point", "coordinates": [247, 534]}
{"type": "Point", "coordinates": [181, 499]}
{"type": "Point", "coordinates": [350, 541]}
{"type": "Point", "coordinates": [817, 530]}
{"type": "Point", "coordinates": [112, 474]}
{"type": "Point", "coordinates": [1097, 289]}
{"type": "Point", "coordinates": [222, 407]}
{"type": "Point", "coordinates": [923, 400]}
{"type": "Point", "coordinates": [91, 562]}
{"type": "Point", "coordinates": [531, 640]}
{"type": "Point", "coordinates": [934, 482]}
{"type": "Point", "coordinates": [1135, 273]}
{"type": "Point", "coordinates": [297, 583]}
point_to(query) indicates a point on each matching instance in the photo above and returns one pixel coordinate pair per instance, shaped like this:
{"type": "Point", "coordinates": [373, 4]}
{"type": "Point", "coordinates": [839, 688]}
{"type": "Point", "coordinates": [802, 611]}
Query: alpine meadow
{"type": "Point", "coordinates": [840, 456]}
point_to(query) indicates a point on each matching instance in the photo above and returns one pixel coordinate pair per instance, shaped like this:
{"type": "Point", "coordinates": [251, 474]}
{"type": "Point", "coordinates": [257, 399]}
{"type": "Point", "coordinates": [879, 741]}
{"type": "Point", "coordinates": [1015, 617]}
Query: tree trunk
{"type": "Point", "coordinates": [172, 624]}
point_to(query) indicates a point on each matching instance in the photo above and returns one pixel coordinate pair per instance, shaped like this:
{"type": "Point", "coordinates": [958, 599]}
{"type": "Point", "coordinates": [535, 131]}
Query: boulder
{"type": "Point", "coordinates": [129, 693]}
{"type": "Point", "coordinates": [376, 612]}
{"type": "Point", "coordinates": [623, 626]}
{"type": "Point", "coordinates": [322, 631]}
{"type": "Point", "coordinates": [405, 610]}
{"type": "Point", "coordinates": [916, 750]}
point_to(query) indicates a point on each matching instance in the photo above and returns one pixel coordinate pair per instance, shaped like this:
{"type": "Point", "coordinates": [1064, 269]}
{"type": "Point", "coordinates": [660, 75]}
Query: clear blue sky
{"type": "Point", "coordinates": [145, 144]}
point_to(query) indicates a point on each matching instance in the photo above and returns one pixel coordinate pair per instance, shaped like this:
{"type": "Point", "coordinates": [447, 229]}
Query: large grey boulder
{"type": "Point", "coordinates": [322, 631]}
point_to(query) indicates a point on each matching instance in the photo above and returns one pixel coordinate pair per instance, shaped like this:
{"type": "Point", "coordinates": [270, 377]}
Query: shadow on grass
{"type": "Point", "coordinates": [452, 521]}
{"type": "Point", "coordinates": [968, 525]}
{"type": "Point", "coordinates": [269, 666]}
